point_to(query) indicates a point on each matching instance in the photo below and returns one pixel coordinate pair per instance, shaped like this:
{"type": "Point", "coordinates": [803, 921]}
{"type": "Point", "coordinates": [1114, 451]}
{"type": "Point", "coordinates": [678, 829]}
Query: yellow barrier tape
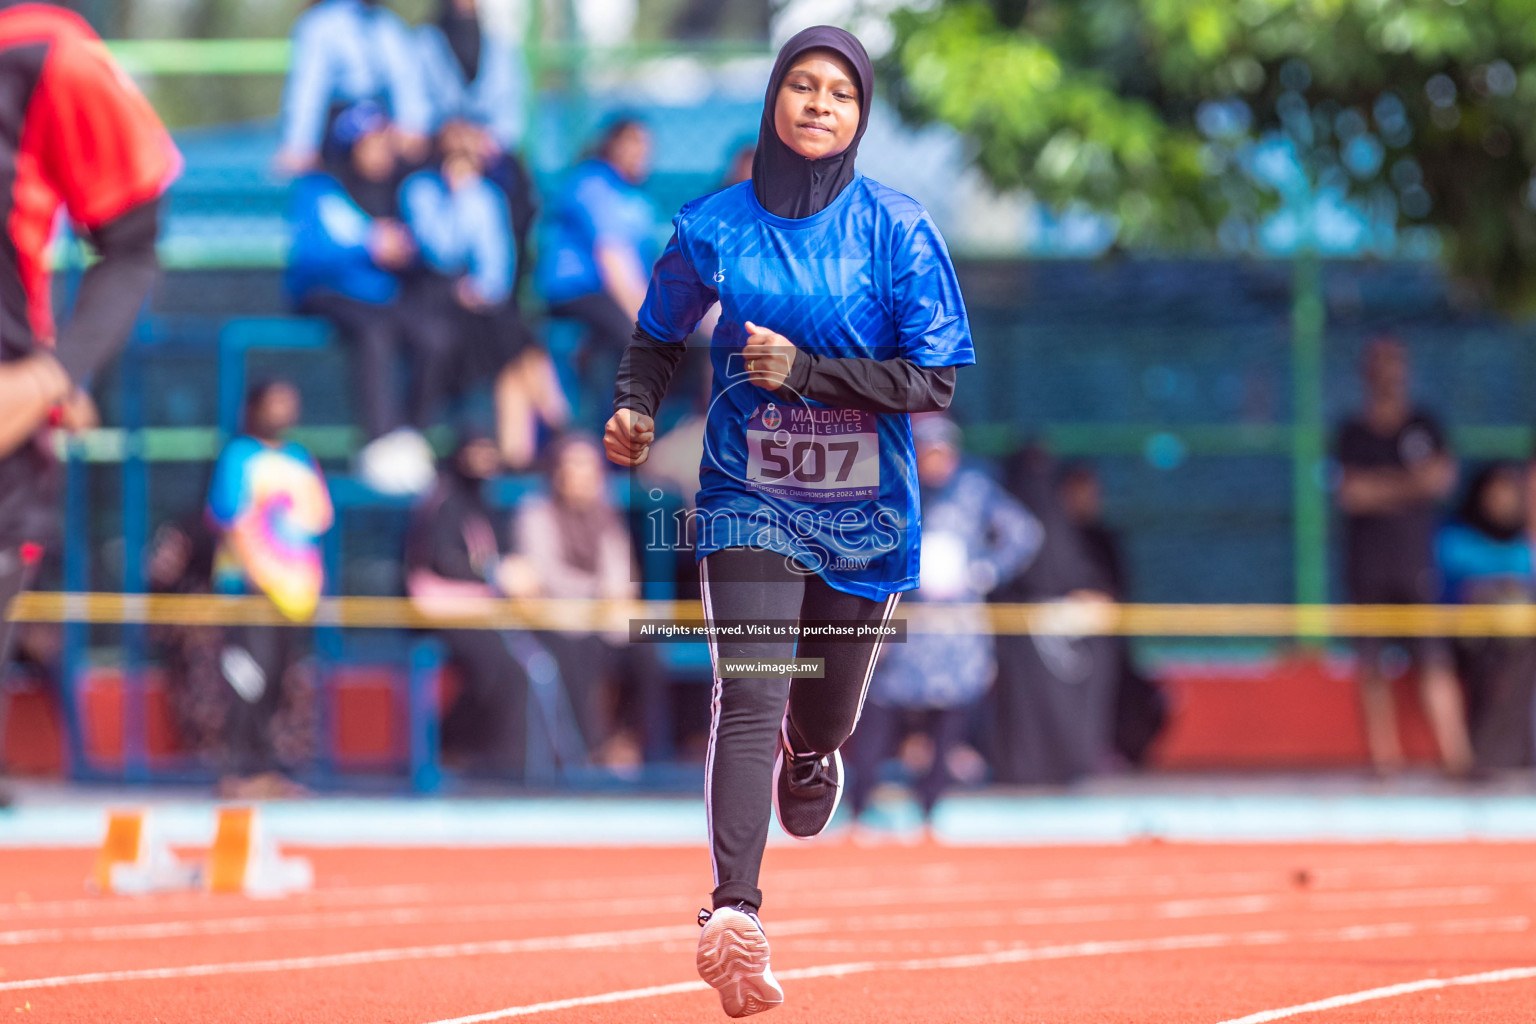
{"type": "Point", "coordinates": [1064, 618]}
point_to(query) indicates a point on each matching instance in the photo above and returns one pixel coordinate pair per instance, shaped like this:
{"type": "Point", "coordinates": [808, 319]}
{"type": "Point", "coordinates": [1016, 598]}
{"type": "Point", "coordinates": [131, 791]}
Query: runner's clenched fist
{"type": "Point", "coordinates": [769, 356]}
{"type": "Point", "coordinates": [627, 437]}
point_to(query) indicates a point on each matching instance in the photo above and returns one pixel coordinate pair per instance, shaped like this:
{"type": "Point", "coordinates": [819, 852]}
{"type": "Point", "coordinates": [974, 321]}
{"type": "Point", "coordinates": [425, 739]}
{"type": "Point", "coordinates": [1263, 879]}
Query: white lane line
{"type": "Point", "coordinates": [1387, 992]}
{"type": "Point", "coordinates": [623, 996]}
{"type": "Point", "coordinates": [372, 896]}
{"type": "Point", "coordinates": [1014, 955]}
{"type": "Point", "coordinates": [629, 938]}
{"type": "Point", "coordinates": [589, 940]}
{"type": "Point", "coordinates": [799, 888]}
{"type": "Point", "coordinates": [794, 879]}
{"type": "Point", "coordinates": [607, 940]}
{"type": "Point", "coordinates": [604, 941]}
{"type": "Point", "coordinates": [1220, 906]}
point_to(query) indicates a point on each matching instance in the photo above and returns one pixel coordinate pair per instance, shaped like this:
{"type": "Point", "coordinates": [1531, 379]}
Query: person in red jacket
{"type": "Point", "coordinates": [76, 134]}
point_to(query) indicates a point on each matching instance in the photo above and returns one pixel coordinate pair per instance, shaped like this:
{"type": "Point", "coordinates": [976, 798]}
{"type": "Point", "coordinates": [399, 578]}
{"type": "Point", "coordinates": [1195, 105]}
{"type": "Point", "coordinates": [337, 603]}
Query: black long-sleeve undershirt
{"type": "Point", "coordinates": [111, 292]}
{"type": "Point", "coordinates": [645, 371]}
{"type": "Point", "coordinates": [871, 385]}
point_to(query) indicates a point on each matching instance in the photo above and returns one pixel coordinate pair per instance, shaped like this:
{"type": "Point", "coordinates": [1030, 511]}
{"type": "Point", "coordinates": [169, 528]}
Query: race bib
{"type": "Point", "coordinates": [813, 454]}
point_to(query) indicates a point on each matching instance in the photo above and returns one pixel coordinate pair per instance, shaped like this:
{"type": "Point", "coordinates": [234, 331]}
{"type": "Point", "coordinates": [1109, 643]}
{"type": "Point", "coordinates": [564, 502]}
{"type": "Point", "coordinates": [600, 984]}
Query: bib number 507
{"type": "Point", "coordinates": [807, 461]}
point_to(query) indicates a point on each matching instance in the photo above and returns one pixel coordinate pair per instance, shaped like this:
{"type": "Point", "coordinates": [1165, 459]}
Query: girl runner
{"type": "Point", "coordinates": [840, 314]}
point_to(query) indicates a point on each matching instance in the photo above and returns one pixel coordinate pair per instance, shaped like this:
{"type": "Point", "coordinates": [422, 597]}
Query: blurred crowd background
{"type": "Point", "coordinates": [1247, 282]}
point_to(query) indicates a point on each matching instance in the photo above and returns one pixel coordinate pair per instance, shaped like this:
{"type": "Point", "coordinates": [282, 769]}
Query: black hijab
{"type": "Point", "coordinates": [453, 533]}
{"type": "Point", "coordinates": [463, 34]}
{"type": "Point", "coordinates": [1472, 512]}
{"type": "Point", "coordinates": [375, 198]}
{"type": "Point", "coordinates": [786, 183]}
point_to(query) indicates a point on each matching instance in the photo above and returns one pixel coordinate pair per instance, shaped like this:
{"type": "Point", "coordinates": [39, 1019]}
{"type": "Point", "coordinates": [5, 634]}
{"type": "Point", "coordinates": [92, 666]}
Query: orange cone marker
{"type": "Point", "coordinates": [134, 859]}
{"type": "Point", "coordinates": [245, 860]}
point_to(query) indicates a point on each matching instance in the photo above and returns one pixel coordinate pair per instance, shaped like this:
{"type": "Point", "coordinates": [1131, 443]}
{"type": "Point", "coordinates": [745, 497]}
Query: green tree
{"type": "Point", "coordinates": [1160, 112]}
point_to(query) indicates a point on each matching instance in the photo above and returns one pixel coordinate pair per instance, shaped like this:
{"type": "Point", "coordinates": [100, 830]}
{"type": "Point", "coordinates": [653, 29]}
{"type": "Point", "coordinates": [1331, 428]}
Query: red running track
{"type": "Point", "coordinates": [1151, 934]}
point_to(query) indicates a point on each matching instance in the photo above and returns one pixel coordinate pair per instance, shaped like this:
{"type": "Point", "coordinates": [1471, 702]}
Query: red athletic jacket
{"type": "Point", "coordinates": [76, 134]}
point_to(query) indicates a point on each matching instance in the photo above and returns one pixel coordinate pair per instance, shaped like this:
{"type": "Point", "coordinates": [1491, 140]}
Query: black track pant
{"type": "Point", "coordinates": [489, 721]}
{"type": "Point", "coordinates": [13, 580]}
{"type": "Point", "coordinates": [269, 652]}
{"type": "Point", "coordinates": [753, 585]}
{"type": "Point", "coordinates": [883, 729]}
{"type": "Point", "coordinates": [423, 326]}
{"type": "Point", "coordinates": [609, 325]}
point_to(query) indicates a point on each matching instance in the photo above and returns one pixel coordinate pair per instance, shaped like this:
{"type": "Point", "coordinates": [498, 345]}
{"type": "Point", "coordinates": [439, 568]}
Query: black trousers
{"type": "Point", "coordinates": [511, 175]}
{"type": "Point", "coordinates": [882, 729]}
{"type": "Point", "coordinates": [13, 580]}
{"type": "Point", "coordinates": [753, 585]}
{"type": "Point", "coordinates": [488, 723]}
{"type": "Point", "coordinates": [14, 575]}
{"type": "Point", "coordinates": [1500, 678]}
{"type": "Point", "coordinates": [420, 326]}
{"type": "Point", "coordinates": [610, 686]}
{"type": "Point", "coordinates": [609, 325]}
{"type": "Point", "coordinates": [255, 662]}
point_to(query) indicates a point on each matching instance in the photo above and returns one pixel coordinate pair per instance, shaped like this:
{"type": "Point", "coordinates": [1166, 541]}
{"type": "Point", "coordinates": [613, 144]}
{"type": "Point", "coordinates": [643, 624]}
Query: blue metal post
{"type": "Point", "coordinates": [76, 551]}
{"type": "Point", "coordinates": [135, 494]}
{"type": "Point", "coordinates": [425, 718]}
{"type": "Point", "coordinates": [77, 579]}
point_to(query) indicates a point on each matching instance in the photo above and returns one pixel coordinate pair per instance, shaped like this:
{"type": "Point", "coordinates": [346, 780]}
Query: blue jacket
{"type": "Point", "coordinates": [595, 205]}
{"type": "Point", "coordinates": [1476, 568]}
{"type": "Point", "coordinates": [494, 100]}
{"type": "Point", "coordinates": [462, 233]}
{"type": "Point", "coordinates": [330, 245]}
{"type": "Point", "coordinates": [345, 51]}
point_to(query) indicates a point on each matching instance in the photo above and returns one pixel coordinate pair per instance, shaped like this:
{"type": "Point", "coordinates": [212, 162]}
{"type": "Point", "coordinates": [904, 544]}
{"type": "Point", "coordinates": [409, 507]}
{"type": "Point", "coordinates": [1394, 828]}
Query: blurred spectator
{"type": "Point", "coordinates": [1082, 498]}
{"type": "Point", "coordinates": [740, 167]}
{"type": "Point", "coordinates": [974, 535]}
{"type": "Point", "coordinates": [349, 248]}
{"type": "Point", "coordinates": [478, 87]}
{"type": "Point", "coordinates": [270, 505]}
{"type": "Point", "coordinates": [1485, 557]}
{"type": "Point", "coordinates": [594, 266]}
{"type": "Point", "coordinates": [711, 19]}
{"type": "Point", "coordinates": [181, 562]}
{"type": "Point", "coordinates": [678, 452]}
{"type": "Point", "coordinates": [1054, 700]}
{"type": "Point", "coordinates": [736, 172]}
{"type": "Point", "coordinates": [346, 52]}
{"type": "Point", "coordinates": [579, 547]}
{"type": "Point", "coordinates": [1140, 707]}
{"type": "Point", "coordinates": [459, 221]}
{"type": "Point", "coordinates": [1396, 470]}
{"type": "Point", "coordinates": [454, 554]}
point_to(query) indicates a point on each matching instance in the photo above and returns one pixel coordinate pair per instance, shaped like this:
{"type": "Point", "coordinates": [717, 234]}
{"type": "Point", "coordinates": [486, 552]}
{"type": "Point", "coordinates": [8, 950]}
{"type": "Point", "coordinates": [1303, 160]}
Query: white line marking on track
{"type": "Point", "coordinates": [499, 947]}
{"type": "Point", "coordinates": [1387, 992]}
{"type": "Point", "coordinates": [1007, 956]}
{"type": "Point", "coordinates": [475, 894]}
{"type": "Point", "coordinates": [1220, 906]}
{"type": "Point", "coordinates": [593, 941]}
{"type": "Point", "coordinates": [799, 887]}
{"type": "Point", "coordinates": [262, 923]}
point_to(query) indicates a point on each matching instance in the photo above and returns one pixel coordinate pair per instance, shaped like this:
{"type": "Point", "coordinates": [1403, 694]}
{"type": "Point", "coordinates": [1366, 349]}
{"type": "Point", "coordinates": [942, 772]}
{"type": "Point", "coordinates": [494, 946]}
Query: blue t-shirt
{"type": "Point", "coordinates": [1476, 568]}
{"type": "Point", "coordinates": [462, 232]}
{"type": "Point", "coordinates": [272, 507]}
{"type": "Point", "coordinates": [330, 245]}
{"type": "Point", "coordinates": [870, 277]}
{"type": "Point", "coordinates": [596, 206]}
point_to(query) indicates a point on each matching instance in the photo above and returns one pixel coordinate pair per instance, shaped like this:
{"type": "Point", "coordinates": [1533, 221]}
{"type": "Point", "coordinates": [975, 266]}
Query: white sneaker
{"type": "Point", "coordinates": [399, 463]}
{"type": "Point", "coordinates": [733, 958]}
